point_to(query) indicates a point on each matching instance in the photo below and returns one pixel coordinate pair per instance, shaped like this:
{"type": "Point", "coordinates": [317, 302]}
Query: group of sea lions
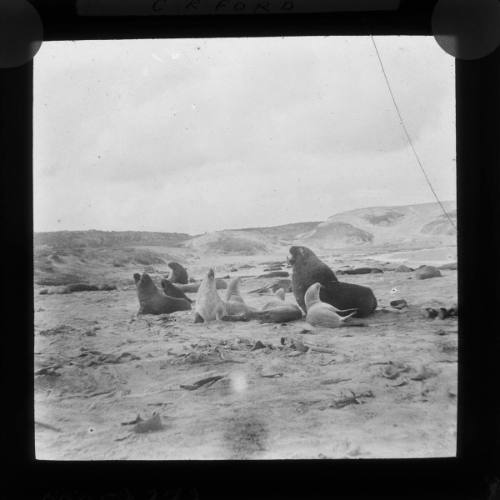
{"type": "Point", "coordinates": [324, 300]}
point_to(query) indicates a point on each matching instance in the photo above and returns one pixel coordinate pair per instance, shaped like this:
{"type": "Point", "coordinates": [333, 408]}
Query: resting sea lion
{"type": "Point", "coordinates": [178, 274]}
{"type": "Point", "coordinates": [209, 306]}
{"type": "Point", "coordinates": [275, 274]}
{"type": "Point", "coordinates": [278, 311]}
{"type": "Point", "coordinates": [277, 301]}
{"type": "Point", "coordinates": [320, 313]}
{"type": "Point", "coordinates": [172, 291]}
{"type": "Point", "coordinates": [309, 269]}
{"type": "Point", "coordinates": [152, 301]}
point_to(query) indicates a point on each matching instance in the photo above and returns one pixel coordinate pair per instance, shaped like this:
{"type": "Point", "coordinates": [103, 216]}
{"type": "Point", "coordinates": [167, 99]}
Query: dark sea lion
{"type": "Point", "coordinates": [402, 268]}
{"type": "Point", "coordinates": [450, 265]}
{"type": "Point", "coordinates": [153, 301]}
{"type": "Point", "coordinates": [275, 274]}
{"type": "Point", "coordinates": [278, 267]}
{"type": "Point", "coordinates": [172, 291]}
{"type": "Point", "coordinates": [426, 272]}
{"type": "Point", "coordinates": [309, 269]}
{"type": "Point", "coordinates": [178, 274]}
{"type": "Point", "coordinates": [360, 270]}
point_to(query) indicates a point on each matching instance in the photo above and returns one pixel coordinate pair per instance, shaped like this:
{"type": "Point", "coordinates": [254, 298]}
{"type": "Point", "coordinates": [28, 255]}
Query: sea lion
{"type": "Point", "coordinates": [234, 301]}
{"type": "Point", "coordinates": [277, 301]}
{"type": "Point", "coordinates": [402, 268]}
{"type": "Point", "coordinates": [279, 314]}
{"type": "Point", "coordinates": [172, 291]}
{"type": "Point", "coordinates": [360, 270]}
{"type": "Point", "coordinates": [275, 274]}
{"type": "Point", "coordinates": [320, 313]}
{"type": "Point", "coordinates": [278, 311]}
{"type": "Point", "coordinates": [233, 291]}
{"type": "Point", "coordinates": [153, 301]}
{"type": "Point", "coordinates": [178, 274]}
{"type": "Point", "coordinates": [426, 272]}
{"type": "Point", "coordinates": [309, 269]}
{"type": "Point", "coordinates": [209, 306]}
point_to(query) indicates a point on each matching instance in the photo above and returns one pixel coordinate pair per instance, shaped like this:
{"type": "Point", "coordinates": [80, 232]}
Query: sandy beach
{"type": "Point", "coordinates": [384, 390]}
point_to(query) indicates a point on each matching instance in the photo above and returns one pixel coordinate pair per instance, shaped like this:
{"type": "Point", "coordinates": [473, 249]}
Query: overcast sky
{"type": "Point", "coordinates": [200, 135]}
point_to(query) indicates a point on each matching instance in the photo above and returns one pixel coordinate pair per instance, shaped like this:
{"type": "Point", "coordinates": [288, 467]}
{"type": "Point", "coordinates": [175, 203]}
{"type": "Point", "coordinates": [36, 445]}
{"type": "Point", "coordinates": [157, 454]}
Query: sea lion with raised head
{"type": "Point", "coordinates": [172, 291]}
{"type": "Point", "coordinates": [235, 303]}
{"type": "Point", "coordinates": [178, 273]}
{"type": "Point", "coordinates": [309, 269]}
{"type": "Point", "coordinates": [210, 307]}
{"type": "Point", "coordinates": [153, 301]}
{"type": "Point", "coordinates": [323, 314]}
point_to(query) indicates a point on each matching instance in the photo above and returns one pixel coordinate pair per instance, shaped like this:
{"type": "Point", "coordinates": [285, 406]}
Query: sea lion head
{"type": "Point", "coordinates": [207, 284]}
{"type": "Point", "coordinates": [299, 254]}
{"type": "Point", "coordinates": [145, 284]}
{"type": "Point", "coordinates": [312, 294]}
{"type": "Point", "coordinates": [178, 273]}
{"type": "Point", "coordinates": [137, 278]}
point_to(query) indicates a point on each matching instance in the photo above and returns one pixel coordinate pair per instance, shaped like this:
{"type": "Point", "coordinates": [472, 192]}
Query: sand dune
{"type": "Point", "coordinates": [422, 224]}
{"type": "Point", "coordinates": [411, 224]}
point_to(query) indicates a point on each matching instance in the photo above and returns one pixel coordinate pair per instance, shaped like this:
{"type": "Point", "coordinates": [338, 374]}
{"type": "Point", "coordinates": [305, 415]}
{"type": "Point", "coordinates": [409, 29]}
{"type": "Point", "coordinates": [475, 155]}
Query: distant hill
{"type": "Point", "coordinates": [93, 238]}
{"type": "Point", "coordinates": [423, 224]}
{"type": "Point", "coordinates": [286, 232]}
{"type": "Point", "coordinates": [229, 242]}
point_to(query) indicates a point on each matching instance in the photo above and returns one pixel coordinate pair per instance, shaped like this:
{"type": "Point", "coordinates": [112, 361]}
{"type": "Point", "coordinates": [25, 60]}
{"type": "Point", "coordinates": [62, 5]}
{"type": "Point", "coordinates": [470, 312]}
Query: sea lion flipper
{"type": "Point", "coordinates": [344, 318]}
{"type": "Point", "coordinates": [355, 309]}
{"type": "Point", "coordinates": [198, 318]}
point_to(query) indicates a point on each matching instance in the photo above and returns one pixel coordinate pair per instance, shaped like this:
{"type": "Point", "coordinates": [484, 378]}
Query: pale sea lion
{"type": "Point", "coordinates": [234, 301]}
{"type": "Point", "coordinates": [153, 301]}
{"type": "Point", "coordinates": [309, 269]}
{"type": "Point", "coordinates": [172, 291]}
{"type": "Point", "coordinates": [210, 307]}
{"type": "Point", "coordinates": [320, 313]}
{"type": "Point", "coordinates": [178, 274]}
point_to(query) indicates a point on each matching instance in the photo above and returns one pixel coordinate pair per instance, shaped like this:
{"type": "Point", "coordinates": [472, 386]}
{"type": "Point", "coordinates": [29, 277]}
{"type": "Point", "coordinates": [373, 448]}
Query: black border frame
{"type": "Point", "coordinates": [473, 474]}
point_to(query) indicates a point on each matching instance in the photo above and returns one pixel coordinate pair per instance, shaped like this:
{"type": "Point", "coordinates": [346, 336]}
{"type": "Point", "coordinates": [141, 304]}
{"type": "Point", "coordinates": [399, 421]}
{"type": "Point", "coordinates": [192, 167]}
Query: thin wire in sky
{"type": "Point", "coordinates": [401, 121]}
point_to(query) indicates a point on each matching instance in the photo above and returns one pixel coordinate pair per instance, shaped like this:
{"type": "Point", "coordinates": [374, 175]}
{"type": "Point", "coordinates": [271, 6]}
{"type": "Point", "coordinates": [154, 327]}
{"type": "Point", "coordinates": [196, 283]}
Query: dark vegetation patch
{"type": "Point", "coordinates": [384, 219]}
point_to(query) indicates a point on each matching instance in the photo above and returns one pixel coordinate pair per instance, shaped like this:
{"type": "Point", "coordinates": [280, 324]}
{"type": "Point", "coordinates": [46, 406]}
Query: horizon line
{"type": "Point", "coordinates": [240, 228]}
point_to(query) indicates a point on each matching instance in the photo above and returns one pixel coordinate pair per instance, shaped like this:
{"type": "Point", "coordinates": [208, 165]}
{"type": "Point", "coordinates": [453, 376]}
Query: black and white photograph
{"type": "Point", "coordinates": [245, 249]}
